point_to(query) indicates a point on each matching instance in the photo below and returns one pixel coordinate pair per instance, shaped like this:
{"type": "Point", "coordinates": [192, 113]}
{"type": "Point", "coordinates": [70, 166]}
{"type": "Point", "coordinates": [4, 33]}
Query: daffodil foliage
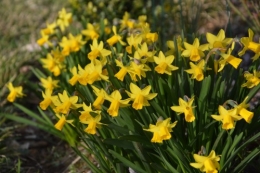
{"type": "Point", "coordinates": [187, 107]}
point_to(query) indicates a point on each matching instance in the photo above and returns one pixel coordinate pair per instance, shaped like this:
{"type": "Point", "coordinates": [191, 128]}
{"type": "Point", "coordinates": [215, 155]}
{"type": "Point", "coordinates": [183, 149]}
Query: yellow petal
{"type": "Point", "coordinates": [247, 115]}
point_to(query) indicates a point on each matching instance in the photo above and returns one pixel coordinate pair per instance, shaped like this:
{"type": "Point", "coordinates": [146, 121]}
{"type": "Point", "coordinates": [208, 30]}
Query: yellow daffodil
{"type": "Point", "coordinates": [194, 51]}
{"type": "Point", "coordinates": [141, 21]}
{"type": "Point", "coordinates": [138, 70]}
{"type": "Point", "coordinates": [90, 32]}
{"type": "Point", "coordinates": [47, 99]}
{"type": "Point", "coordinates": [116, 102]}
{"type": "Point", "coordinates": [50, 29]}
{"type": "Point", "coordinates": [252, 79]}
{"type": "Point", "coordinates": [95, 72]}
{"type": "Point", "coordinates": [142, 54]}
{"type": "Point", "coordinates": [151, 37]}
{"type": "Point", "coordinates": [243, 112]}
{"type": "Point", "coordinates": [115, 38]}
{"type": "Point", "coordinates": [101, 95]}
{"type": "Point", "coordinates": [227, 117]}
{"type": "Point", "coordinates": [49, 83]}
{"type": "Point", "coordinates": [75, 77]}
{"type": "Point", "coordinates": [57, 55]}
{"type": "Point", "coordinates": [164, 64]}
{"type": "Point", "coordinates": [140, 96]}
{"type": "Point", "coordinates": [161, 130]}
{"type": "Point", "coordinates": [228, 59]}
{"type": "Point", "coordinates": [218, 41]}
{"type": "Point", "coordinates": [65, 103]}
{"type": "Point", "coordinates": [248, 43]}
{"type": "Point", "coordinates": [85, 115]}
{"type": "Point", "coordinates": [97, 50]}
{"type": "Point", "coordinates": [208, 164]}
{"type": "Point", "coordinates": [53, 65]}
{"type": "Point", "coordinates": [197, 70]}
{"type": "Point", "coordinates": [44, 39]}
{"type": "Point", "coordinates": [186, 108]}
{"type": "Point", "coordinates": [64, 19]}
{"type": "Point", "coordinates": [71, 44]}
{"type": "Point", "coordinates": [171, 46]}
{"type": "Point", "coordinates": [15, 92]}
{"type": "Point", "coordinates": [62, 120]}
{"type": "Point", "coordinates": [93, 124]}
{"type": "Point", "coordinates": [126, 22]}
{"type": "Point", "coordinates": [122, 72]}
{"type": "Point", "coordinates": [87, 118]}
{"type": "Point", "coordinates": [133, 41]}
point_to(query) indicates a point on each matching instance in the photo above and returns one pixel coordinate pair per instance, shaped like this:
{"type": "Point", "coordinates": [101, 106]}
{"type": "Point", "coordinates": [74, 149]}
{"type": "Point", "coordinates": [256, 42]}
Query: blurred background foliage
{"type": "Point", "coordinates": [21, 22]}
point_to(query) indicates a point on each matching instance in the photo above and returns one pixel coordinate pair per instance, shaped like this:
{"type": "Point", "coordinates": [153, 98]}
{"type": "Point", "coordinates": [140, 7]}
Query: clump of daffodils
{"type": "Point", "coordinates": [101, 81]}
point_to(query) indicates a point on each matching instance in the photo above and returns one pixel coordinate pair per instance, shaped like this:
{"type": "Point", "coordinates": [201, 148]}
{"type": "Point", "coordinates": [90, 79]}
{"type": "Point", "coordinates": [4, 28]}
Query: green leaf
{"type": "Point", "coordinates": [136, 138]}
{"type": "Point", "coordinates": [47, 119]}
{"type": "Point", "coordinates": [159, 168]}
{"type": "Point", "coordinates": [247, 160]}
{"type": "Point", "coordinates": [235, 143]}
{"type": "Point", "coordinates": [37, 73]}
{"type": "Point", "coordinates": [205, 88]}
{"type": "Point", "coordinates": [30, 113]}
{"type": "Point", "coordinates": [225, 150]}
{"type": "Point", "coordinates": [160, 112]}
{"type": "Point", "coordinates": [45, 127]}
{"type": "Point", "coordinates": [234, 154]}
{"type": "Point", "coordinates": [119, 143]}
{"type": "Point", "coordinates": [127, 162]}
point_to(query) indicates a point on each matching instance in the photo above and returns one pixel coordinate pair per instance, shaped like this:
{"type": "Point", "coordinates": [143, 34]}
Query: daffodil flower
{"type": "Point", "coordinates": [208, 164]}
{"type": "Point", "coordinates": [243, 112]}
{"type": "Point", "coordinates": [44, 39]}
{"type": "Point", "coordinates": [50, 28]}
{"type": "Point", "coordinates": [197, 70]}
{"type": "Point", "coordinates": [57, 55]}
{"type": "Point", "coordinates": [66, 103]}
{"type": "Point", "coordinates": [248, 43]}
{"type": "Point", "coordinates": [252, 79]}
{"type": "Point", "coordinates": [144, 53]}
{"type": "Point", "coordinates": [133, 41]}
{"type": "Point", "coordinates": [62, 120]}
{"type": "Point", "coordinates": [101, 95]}
{"type": "Point", "coordinates": [140, 96]}
{"type": "Point", "coordinates": [47, 99]}
{"type": "Point", "coordinates": [126, 22]}
{"type": "Point", "coordinates": [53, 65]}
{"type": "Point", "coordinates": [228, 59]}
{"type": "Point", "coordinates": [171, 46]}
{"type": "Point", "coordinates": [138, 70]}
{"type": "Point", "coordinates": [227, 117]}
{"type": "Point", "coordinates": [85, 115]}
{"type": "Point", "coordinates": [186, 108]}
{"type": "Point", "coordinates": [71, 44]}
{"type": "Point", "coordinates": [194, 51]}
{"type": "Point", "coordinates": [87, 118]}
{"type": "Point", "coordinates": [90, 32]}
{"type": "Point", "coordinates": [49, 83]}
{"type": "Point", "coordinates": [115, 38]}
{"type": "Point", "coordinates": [15, 92]}
{"type": "Point", "coordinates": [122, 72]}
{"type": "Point", "coordinates": [97, 50]}
{"type": "Point", "coordinates": [218, 41]}
{"type": "Point", "coordinates": [64, 19]}
{"type": "Point", "coordinates": [161, 130]}
{"type": "Point", "coordinates": [164, 64]}
{"type": "Point", "coordinates": [116, 102]}
{"type": "Point", "coordinates": [75, 76]}
{"type": "Point", "coordinates": [151, 37]}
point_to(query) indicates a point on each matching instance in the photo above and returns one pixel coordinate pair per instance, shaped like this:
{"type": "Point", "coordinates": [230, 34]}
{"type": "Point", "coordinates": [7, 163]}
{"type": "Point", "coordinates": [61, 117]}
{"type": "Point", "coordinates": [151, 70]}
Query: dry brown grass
{"type": "Point", "coordinates": [20, 24]}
